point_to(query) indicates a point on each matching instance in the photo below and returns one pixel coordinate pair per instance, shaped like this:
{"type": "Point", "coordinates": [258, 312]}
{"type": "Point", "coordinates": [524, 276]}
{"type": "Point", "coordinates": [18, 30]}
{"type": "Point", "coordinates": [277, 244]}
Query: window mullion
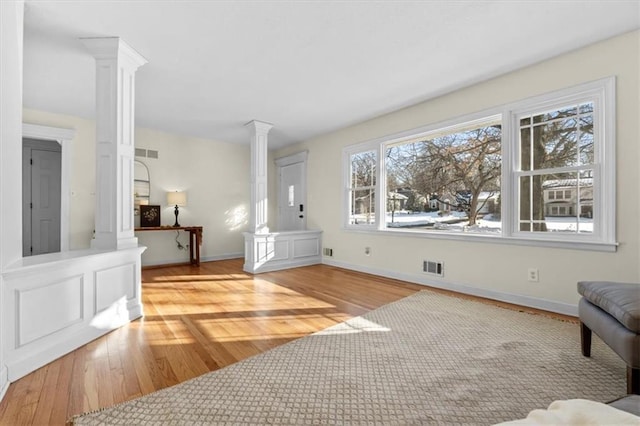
{"type": "Point", "coordinates": [381, 189]}
{"type": "Point", "coordinates": [510, 154]}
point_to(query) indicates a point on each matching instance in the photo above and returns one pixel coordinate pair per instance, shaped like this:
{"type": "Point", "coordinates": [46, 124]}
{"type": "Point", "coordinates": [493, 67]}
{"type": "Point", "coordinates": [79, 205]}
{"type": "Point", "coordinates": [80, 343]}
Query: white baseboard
{"type": "Point", "coordinates": [4, 381]}
{"type": "Point", "coordinates": [170, 262]}
{"type": "Point", "coordinates": [279, 266]}
{"type": "Point", "coordinates": [226, 256]}
{"type": "Point", "coordinates": [517, 299]}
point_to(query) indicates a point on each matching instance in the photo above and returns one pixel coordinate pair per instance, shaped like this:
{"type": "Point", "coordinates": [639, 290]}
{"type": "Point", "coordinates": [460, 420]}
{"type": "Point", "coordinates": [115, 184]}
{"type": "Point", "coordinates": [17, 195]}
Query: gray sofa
{"type": "Point", "coordinates": [612, 311]}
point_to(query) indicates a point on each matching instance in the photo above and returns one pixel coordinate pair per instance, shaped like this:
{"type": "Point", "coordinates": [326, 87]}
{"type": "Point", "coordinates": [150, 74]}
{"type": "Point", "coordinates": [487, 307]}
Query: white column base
{"type": "Point", "coordinates": [281, 250]}
{"type": "Point", "coordinates": [106, 243]}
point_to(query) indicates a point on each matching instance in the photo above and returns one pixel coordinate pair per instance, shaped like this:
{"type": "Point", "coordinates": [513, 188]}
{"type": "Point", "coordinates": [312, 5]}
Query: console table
{"type": "Point", "coordinates": [195, 239]}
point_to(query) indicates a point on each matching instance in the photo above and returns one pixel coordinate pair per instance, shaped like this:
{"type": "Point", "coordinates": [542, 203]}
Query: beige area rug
{"type": "Point", "coordinates": [426, 359]}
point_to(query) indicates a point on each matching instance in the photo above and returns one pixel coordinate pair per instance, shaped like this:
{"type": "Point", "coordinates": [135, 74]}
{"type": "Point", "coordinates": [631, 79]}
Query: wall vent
{"type": "Point", "coordinates": [433, 267]}
{"type": "Point", "coordinates": [327, 252]}
{"type": "Point", "coordinates": [147, 153]}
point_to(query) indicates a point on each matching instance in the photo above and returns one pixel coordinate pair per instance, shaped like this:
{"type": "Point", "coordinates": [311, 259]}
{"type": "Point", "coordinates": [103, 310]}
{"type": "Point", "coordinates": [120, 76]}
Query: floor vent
{"type": "Point", "coordinates": [433, 267]}
{"type": "Point", "coordinates": [141, 152]}
{"type": "Point", "coordinates": [327, 252]}
{"type": "Point", "coordinates": [152, 154]}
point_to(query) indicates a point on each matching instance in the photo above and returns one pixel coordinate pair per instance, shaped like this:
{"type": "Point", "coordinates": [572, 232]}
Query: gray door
{"type": "Point", "coordinates": [41, 186]}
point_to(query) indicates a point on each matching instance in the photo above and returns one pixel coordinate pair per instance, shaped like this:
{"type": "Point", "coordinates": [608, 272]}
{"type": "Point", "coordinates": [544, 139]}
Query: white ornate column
{"type": "Point", "coordinates": [259, 176]}
{"type": "Point", "coordinates": [116, 64]}
{"type": "Point", "coordinates": [265, 251]}
{"type": "Point", "coordinates": [258, 244]}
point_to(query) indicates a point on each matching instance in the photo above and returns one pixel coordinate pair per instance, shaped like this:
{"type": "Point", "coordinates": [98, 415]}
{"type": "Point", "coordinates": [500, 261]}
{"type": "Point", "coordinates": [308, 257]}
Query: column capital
{"type": "Point", "coordinates": [113, 48]}
{"type": "Point", "coordinates": [259, 127]}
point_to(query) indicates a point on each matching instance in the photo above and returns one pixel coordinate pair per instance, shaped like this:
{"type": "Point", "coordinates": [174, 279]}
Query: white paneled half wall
{"type": "Point", "coordinates": [55, 303]}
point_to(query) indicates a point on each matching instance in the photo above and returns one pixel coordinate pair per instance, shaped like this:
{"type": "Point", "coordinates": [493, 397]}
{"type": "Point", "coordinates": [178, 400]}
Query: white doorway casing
{"type": "Point", "coordinates": [64, 138]}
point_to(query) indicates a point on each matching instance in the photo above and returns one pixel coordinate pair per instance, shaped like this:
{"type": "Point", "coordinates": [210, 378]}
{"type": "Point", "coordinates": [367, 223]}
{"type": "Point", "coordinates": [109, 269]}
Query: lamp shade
{"type": "Point", "coordinates": [177, 198]}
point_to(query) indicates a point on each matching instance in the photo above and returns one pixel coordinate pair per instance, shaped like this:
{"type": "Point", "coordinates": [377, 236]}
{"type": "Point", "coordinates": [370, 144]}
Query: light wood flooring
{"type": "Point", "coordinates": [196, 320]}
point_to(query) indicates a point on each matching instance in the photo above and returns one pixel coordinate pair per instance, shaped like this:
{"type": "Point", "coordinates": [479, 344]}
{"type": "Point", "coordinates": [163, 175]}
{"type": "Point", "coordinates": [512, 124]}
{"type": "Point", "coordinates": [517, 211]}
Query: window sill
{"type": "Point", "coordinates": [492, 239]}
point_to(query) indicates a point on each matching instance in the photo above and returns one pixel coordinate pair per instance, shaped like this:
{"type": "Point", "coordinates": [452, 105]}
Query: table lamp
{"type": "Point", "coordinates": [177, 198]}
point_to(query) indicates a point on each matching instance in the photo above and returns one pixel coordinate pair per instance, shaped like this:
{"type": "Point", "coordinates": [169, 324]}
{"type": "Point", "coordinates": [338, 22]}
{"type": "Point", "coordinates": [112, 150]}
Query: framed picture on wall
{"type": "Point", "coordinates": [149, 216]}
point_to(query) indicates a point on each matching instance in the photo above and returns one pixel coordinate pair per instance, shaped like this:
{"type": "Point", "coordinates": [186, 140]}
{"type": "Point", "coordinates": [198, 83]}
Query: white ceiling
{"type": "Point", "coordinates": [308, 67]}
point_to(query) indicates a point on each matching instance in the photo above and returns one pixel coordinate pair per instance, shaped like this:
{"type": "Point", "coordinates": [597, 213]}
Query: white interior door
{"type": "Point", "coordinates": [292, 197]}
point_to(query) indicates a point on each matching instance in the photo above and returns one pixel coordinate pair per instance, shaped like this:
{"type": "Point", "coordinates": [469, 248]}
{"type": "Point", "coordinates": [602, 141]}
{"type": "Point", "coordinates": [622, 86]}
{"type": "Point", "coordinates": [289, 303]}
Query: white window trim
{"type": "Point", "coordinates": [347, 152]}
{"type": "Point", "coordinates": [601, 92]}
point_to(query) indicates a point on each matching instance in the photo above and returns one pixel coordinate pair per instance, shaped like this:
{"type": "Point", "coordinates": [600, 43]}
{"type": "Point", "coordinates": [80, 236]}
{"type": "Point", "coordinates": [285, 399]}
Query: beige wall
{"type": "Point", "coordinates": [492, 267]}
{"type": "Point", "coordinates": [214, 174]}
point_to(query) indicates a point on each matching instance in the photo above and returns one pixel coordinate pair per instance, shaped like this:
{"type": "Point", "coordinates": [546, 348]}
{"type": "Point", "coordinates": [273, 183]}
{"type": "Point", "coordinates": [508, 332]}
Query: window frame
{"type": "Point", "coordinates": [601, 92]}
{"type": "Point", "coordinates": [348, 152]}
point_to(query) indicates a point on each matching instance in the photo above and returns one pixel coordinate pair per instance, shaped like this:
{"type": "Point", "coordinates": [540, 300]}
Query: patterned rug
{"type": "Point", "coordinates": [426, 359]}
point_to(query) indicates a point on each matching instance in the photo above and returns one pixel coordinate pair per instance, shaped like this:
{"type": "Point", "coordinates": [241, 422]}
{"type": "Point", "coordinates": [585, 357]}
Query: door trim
{"type": "Point", "coordinates": [64, 138]}
{"type": "Point", "coordinates": [300, 157]}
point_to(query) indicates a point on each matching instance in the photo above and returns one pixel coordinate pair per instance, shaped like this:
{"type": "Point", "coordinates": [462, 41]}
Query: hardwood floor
{"type": "Point", "coordinates": [197, 320]}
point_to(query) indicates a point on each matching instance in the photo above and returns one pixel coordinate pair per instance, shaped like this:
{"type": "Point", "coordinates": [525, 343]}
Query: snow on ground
{"type": "Point", "coordinates": [455, 222]}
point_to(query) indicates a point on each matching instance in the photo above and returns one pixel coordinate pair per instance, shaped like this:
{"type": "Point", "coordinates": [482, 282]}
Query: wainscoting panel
{"type": "Point", "coordinates": [49, 303]}
{"type": "Point", "coordinates": [281, 250]}
{"type": "Point", "coordinates": [305, 247]}
{"type": "Point", "coordinates": [113, 285]}
{"type": "Point", "coordinates": [38, 317]}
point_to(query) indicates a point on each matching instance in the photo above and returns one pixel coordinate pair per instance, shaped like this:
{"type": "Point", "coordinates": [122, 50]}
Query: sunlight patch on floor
{"type": "Point", "coordinates": [354, 325]}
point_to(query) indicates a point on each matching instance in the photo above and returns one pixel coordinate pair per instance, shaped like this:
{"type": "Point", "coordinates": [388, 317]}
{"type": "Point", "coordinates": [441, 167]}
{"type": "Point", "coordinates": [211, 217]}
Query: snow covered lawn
{"type": "Point", "coordinates": [456, 222]}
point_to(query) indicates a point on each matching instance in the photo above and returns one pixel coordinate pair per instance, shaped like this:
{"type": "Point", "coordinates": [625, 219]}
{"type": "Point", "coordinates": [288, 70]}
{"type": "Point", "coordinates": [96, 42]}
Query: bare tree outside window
{"type": "Point", "coordinates": [461, 170]}
{"type": "Point", "coordinates": [539, 170]}
{"type": "Point", "coordinates": [556, 148]}
{"type": "Point", "coordinates": [362, 187]}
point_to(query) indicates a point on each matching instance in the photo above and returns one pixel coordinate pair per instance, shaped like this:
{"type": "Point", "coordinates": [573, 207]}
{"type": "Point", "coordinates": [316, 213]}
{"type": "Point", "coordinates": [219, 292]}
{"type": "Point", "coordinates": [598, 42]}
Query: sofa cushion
{"type": "Point", "coordinates": [629, 403]}
{"type": "Point", "coordinates": [620, 300]}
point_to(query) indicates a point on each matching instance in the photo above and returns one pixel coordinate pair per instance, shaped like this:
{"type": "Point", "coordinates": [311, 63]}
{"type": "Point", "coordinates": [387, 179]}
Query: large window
{"type": "Point", "coordinates": [536, 171]}
{"type": "Point", "coordinates": [446, 180]}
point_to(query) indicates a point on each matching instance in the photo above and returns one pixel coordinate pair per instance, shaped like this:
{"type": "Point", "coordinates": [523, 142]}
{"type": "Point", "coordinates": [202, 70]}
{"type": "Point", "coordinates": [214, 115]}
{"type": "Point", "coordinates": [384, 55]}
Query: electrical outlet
{"type": "Point", "coordinates": [532, 275]}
